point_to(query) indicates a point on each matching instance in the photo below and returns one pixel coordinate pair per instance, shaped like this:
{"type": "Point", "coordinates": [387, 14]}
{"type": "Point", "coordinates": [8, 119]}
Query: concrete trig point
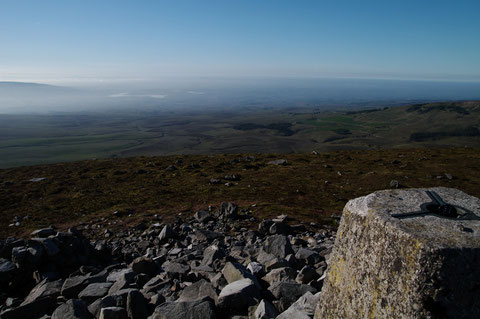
{"type": "Point", "coordinates": [404, 254]}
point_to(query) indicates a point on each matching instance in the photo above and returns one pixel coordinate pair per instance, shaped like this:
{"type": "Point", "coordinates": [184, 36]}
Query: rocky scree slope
{"type": "Point", "coordinates": [209, 266]}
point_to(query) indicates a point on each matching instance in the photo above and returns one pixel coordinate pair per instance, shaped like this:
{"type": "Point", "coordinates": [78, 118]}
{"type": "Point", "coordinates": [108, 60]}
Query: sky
{"type": "Point", "coordinates": [116, 40]}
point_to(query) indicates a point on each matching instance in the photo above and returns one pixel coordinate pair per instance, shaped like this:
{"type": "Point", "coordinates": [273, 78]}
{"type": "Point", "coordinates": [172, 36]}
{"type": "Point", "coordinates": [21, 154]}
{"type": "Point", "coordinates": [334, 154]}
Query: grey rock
{"type": "Point", "coordinates": [228, 210]}
{"type": "Point", "coordinates": [123, 282]}
{"type": "Point", "coordinates": [278, 162]}
{"type": "Point", "coordinates": [175, 270]}
{"type": "Point", "coordinates": [211, 254]}
{"type": "Point", "coordinates": [255, 268]}
{"type": "Point", "coordinates": [74, 285]}
{"type": "Point", "coordinates": [202, 216]}
{"type": "Point", "coordinates": [199, 309]}
{"type": "Point", "coordinates": [50, 247]}
{"type": "Point", "coordinates": [275, 263]}
{"type": "Point", "coordinates": [72, 309]}
{"type": "Point", "coordinates": [43, 233]}
{"type": "Point", "coordinates": [206, 235]}
{"type": "Point", "coordinates": [235, 271]}
{"type": "Point", "coordinates": [379, 256]}
{"type": "Point", "coordinates": [265, 310]}
{"type": "Point", "coordinates": [35, 253]}
{"type": "Point", "coordinates": [198, 291]}
{"type": "Point", "coordinates": [6, 269]}
{"type": "Point", "coordinates": [117, 274]}
{"type": "Point", "coordinates": [44, 290]}
{"type": "Point", "coordinates": [288, 292]}
{"type": "Point", "coordinates": [167, 233]}
{"type": "Point", "coordinates": [137, 305]}
{"type": "Point", "coordinates": [277, 245]}
{"type": "Point", "coordinates": [279, 228]}
{"type": "Point", "coordinates": [308, 256]}
{"type": "Point", "coordinates": [238, 295]}
{"type": "Point", "coordinates": [113, 313]}
{"type": "Point", "coordinates": [306, 275]}
{"type": "Point", "coordinates": [95, 291]}
{"type": "Point", "coordinates": [40, 300]}
{"type": "Point", "coordinates": [19, 254]}
{"type": "Point", "coordinates": [107, 301]}
{"type": "Point", "coordinates": [218, 281]}
{"type": "Point", "coordinates": [280, 274]}
{"type": "Point", "coordinates": [144, 265]}
{"type": "Point", "coordinates": [303, 308]}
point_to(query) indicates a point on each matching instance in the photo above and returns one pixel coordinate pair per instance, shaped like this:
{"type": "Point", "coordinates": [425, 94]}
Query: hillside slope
{"type": "Point", "coordinates": [310, 188]}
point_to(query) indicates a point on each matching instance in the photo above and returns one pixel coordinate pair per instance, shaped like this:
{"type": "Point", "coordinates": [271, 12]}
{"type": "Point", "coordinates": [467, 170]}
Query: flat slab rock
{"type": "Point", "coordinates": [387, 264]}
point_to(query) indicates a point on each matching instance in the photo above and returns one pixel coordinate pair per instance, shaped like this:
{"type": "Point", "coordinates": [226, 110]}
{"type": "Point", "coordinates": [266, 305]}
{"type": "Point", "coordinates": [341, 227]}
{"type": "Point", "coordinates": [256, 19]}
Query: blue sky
{"type": "Point", "coordinates": [67, 39]}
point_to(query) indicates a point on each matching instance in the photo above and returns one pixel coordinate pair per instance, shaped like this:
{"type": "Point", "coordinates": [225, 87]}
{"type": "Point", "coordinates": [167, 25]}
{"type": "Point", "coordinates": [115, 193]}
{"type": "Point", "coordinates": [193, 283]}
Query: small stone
{"type": "Point", "coordinates": [278, 162]}
{"type": "Point", "coordinates": [43, 233]}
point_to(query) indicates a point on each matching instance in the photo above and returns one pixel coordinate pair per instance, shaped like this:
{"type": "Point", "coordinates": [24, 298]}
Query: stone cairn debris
{"type": "Point", "coordinates": [207, 266]}
{"type": "Point", "coordinates": [405, 254]}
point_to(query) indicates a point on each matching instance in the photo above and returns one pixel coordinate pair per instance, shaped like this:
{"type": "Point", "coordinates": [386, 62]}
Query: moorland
{"type": "Point", "coordinates": [145, 166]}
{"type": "Point", "coordinates": [53, 138]}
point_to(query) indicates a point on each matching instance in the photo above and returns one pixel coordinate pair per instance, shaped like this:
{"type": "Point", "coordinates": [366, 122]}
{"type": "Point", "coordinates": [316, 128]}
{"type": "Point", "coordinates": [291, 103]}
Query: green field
{"type": "Point", "coordinates": [41, 139]}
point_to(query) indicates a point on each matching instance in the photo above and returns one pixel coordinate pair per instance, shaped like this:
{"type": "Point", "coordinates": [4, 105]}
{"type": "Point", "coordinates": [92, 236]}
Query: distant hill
{"type": "Point", "coordinates": [22, 89]}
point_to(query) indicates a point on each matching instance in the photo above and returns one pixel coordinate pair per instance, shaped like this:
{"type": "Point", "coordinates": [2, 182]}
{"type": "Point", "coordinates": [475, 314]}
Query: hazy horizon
{"type": "Point", "coordinates": [204, 94]}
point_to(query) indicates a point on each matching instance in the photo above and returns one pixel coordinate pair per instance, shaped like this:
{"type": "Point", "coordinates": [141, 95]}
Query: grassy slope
{"type": "Point", "coordinates": [58, 138]}
{"type": "Point", "coordinates": [309, 189]}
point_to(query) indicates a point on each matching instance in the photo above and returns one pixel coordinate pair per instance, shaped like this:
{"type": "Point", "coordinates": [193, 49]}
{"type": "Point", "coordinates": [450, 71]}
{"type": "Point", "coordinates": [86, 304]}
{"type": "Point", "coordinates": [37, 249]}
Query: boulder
{"type": "Point", "coordinates": [199, 309]}
{"type": "Point", "coordinates": [211, 254]}
{"type": "Point", "coordinates": [280, 274]}
{"type": "Point", "coordinates": [303, 308]}
{"type": "Point", "coordinates": [206, 235]}
{"type": "Point", "coordinates": [277, 245]}
{"type": "Point", "coordinates": [175, 270]}
{"type": "Point", "coordinates": [288, 292]}
{"type": "Point", "coordinates": [167, 233]}
{"type": "Point", "coordinates": [39, 301]}
{"type": "Point", "coordinates": [306, 275]}
{"type": "Point", "coordinates": [228, 210]}
{"type": "Point", "coordinates": [238, 295]}
{"type": "Point", "coordinates": [43, 233]}
{"type": "Point", "coordinates": [255, 268]}
{"type": "Point", "coordinates": [95, 291]}
{"type": "Point", "coordinates": [202, 216]}
{"type": "Point", "coordinates": [123, 282]}
{"type": "Point", "coordinates": [265, 310]}
{"type": "Point", "coordinates": [403, 253]}
{"type": "Point", "coordinates": [107, 301]}
{"type": "Point", "coordinates": [144, 265]}
{"type": "Point", "coordinates": [235, 271]}
{"type": "Point", "coordinates": [7, 268]}
{"type": "Point", "coordinates": [72, 309]}
{"type": "Point", "coordinates": [74, 285]}
{"type": "Point", "coordinates": [137, 305]}
{"type": "Point", "coordinates": [113, 313]}
{"type": "Point", "coordinates": [198, 291]}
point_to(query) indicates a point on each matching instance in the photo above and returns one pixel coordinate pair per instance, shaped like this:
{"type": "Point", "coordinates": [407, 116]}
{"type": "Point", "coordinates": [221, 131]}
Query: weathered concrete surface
{"type": "Point", "coordinates": [415, 267]}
